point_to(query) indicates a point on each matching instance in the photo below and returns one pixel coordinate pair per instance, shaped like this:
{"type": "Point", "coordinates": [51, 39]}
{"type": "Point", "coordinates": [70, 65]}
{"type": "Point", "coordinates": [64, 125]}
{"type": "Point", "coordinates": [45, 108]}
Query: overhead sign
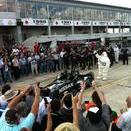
{"type": "Point", "coordinates": [45, 22]}
{"type": "Point", "coordinates": [7, 22]}
{"type": "Point", "coordinates": [114, 23]}
{"type": "Point", "coordinates": [62, 23]}
{"type": "Point", "coordinates": [99, 23]}
{"type": "Point", "coordinates": [35, 22]}
{"type": "Point", "coordinates": [82, 23]}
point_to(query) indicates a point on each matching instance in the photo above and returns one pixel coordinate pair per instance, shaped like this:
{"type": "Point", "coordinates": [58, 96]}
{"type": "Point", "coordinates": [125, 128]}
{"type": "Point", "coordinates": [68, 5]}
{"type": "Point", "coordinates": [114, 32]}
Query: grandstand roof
{"type": "Point", "coordinates": [93, 4]}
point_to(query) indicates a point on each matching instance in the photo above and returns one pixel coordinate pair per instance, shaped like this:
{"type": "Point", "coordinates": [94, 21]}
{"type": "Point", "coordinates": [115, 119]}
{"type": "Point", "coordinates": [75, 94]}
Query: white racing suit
{"type": "Point", "coordinates": [103, 66]}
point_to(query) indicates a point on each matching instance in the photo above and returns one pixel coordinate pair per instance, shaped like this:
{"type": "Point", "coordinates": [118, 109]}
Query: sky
{"type": "Point", "coordinates": [122, 3]}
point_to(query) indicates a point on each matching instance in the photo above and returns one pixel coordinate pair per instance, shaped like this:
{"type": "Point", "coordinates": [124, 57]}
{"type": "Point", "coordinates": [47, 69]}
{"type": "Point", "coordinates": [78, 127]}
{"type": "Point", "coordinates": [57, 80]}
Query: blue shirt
{"type": "Point", "coordinates": [26, 123]}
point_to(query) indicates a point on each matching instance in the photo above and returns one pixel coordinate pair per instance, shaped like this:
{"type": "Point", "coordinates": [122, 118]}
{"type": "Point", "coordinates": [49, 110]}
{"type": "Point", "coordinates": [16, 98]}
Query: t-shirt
{"type": "Point", "coordinates": [56, 56]}
{"type": "Point", "coordinates": [22, 61]}
{"type": "Point", "coordinates": [56, 120]}
{"type": "Point", "coordinates": [3, 102]}
{"type": "Point", "coordinates": [42, 109]}
{"type": "Point", "coordinates": [86, 125]}
{"type": "Point", "coordinates": [62, 54]}
{"type": "Point", "coordinates": [26, 123]}
{"type": "Point", "coordinates": [36, 48]}
{"type": "Point", "coordinates": [33, 61]}
{"type": "Point", "coordinates": [67, 115]}
{"type": "Point", "coordinates": [15, 62]}
{"type": "Point", "coordinates": [124, 121]}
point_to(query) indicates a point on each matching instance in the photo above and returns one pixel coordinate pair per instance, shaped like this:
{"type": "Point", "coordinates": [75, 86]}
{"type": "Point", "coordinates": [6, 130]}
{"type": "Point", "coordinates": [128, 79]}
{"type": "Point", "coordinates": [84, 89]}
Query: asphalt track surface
{"type": "Point", "coordinates": [116, 88]}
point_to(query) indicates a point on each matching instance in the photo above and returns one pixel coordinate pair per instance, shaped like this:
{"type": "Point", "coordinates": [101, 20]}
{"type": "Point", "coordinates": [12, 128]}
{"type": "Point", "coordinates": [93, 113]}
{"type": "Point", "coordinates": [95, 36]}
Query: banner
{"type": "Point", "coordinates": [35, 22]}
{"type": "Point", "coordinates": [62, 23]}
{"type": "Point", "coordinates": [82, 23]}
{"type": "Point", "coordinates": [7, 22]}
{"type": "Point", "coordinates": [99, 23]}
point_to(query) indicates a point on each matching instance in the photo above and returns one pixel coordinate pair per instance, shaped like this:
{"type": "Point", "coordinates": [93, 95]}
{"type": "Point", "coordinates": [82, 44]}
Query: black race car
{"type": "Point", "coordinates": [68, 81]}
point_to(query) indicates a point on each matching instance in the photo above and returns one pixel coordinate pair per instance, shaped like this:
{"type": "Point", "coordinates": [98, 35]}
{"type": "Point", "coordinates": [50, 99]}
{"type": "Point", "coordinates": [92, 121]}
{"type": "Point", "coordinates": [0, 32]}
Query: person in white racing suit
{"type": "Point", "coordinates": [103, 65]}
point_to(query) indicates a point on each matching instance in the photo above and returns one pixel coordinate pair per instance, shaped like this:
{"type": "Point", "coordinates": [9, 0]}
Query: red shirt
{"type": "Point", "coordinates": [36, 48]}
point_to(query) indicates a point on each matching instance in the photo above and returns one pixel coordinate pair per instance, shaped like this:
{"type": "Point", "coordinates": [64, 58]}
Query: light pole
{"type": "Point", "coordinates": [49, 26]}
{"type": "Point", "coordinates": [49, 21]}
{"type": "Point", "coordinates": [19, 23]}
{"type": "Point", "coordinates": [120, 26]}
{"type": "Point", "coordinates": [72, 28]}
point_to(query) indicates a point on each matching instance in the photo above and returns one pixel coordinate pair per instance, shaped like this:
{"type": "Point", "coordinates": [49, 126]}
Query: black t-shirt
{"type": "Point", "coordinates": [56, 120]}
{"type": "Point", "coordinates": [102, 125]}
{"type": "Point", "coordinates": [67, 115]}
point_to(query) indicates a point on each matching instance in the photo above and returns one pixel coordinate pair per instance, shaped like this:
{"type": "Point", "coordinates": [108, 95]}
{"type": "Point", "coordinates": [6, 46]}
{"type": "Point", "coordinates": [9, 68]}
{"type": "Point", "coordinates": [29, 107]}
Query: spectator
{"type": "Point", "coordinates": [71, 126]}
{"type": "Point", "coordinates": [56, 60]}
{"type": "Point", "coordinates": [125, 54]}
{"type": "Point", "coordinates": [66, 108]}
{"type": "Point", "coordinates": [7, 97]}
{"type": "Point", "coordinates": [124, 121]}
{"type": "Point", "coordinates": [10, 118]}
{"type": "Point", "coordinates": [43, 108]}
{"type": "Point", "coordinates": [117, 52]}
{"type": "Point", "coordinates": [16, 67]}
{"type": "Point", "coordinates": [34, 65]}
{"type": "Point", "coordinates": [114, 117]}
{"type": "Point", "coordinates": [50, 62]}
{"type": "Point", "coordinates": [23, 65]}
{"type": "Point", "coordinates": [29, 99]}
{"type": "Point", "coordinates": [1, 68]}
{"type": "Point", "coordinates": [7, 71]}
{"type": "Point", "coordinates": [42, 63]}
{"type": "Point", "coordinates": [55, 114]}
{"type": "Point", "coordinates": [61, 58]}
{"type": "Point", "coordinates": [96, 118]}
{"type": "Point", "coordinates": [37, 48]}
{"type": "Point", "coordinates": [22, 110]}
{"type": "Point", "coordinates": [3, 101]}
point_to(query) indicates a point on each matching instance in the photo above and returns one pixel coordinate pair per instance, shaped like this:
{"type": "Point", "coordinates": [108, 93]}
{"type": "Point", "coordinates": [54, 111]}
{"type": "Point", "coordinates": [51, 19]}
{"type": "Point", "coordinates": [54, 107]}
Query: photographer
{"type": "Point", "coordinates": [74, 126]}
{"type": "Point", "coordinates": [66, 107]}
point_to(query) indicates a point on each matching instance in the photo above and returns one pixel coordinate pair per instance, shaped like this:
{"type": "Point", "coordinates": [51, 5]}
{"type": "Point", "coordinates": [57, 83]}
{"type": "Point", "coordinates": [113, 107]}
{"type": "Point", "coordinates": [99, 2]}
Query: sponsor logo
{"type": "Point", "coordinates": [64, 88]}
{"type": "Point", "coordinates": [10, 22]}
{"type": "Point", "coordinates": [39, 22]}
{"type": "Point", "coordinates": [66, 22]}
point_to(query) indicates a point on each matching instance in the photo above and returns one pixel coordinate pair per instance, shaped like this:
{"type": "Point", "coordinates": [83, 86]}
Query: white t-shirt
{"type": "Point", "coordinates": [62, 54]}
{"type": "Point", "coordinates": [42, 109]}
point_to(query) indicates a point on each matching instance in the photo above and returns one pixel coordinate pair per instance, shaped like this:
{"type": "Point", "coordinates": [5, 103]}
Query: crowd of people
{"type": "Point", "coordinates": [33, 109]}
{"type": "Point", "coordinates": [21, 61]}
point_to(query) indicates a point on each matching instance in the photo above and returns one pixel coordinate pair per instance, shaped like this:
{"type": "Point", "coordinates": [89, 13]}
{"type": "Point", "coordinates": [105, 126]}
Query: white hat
{"type": "Point", "coordinates": [10, 94]}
